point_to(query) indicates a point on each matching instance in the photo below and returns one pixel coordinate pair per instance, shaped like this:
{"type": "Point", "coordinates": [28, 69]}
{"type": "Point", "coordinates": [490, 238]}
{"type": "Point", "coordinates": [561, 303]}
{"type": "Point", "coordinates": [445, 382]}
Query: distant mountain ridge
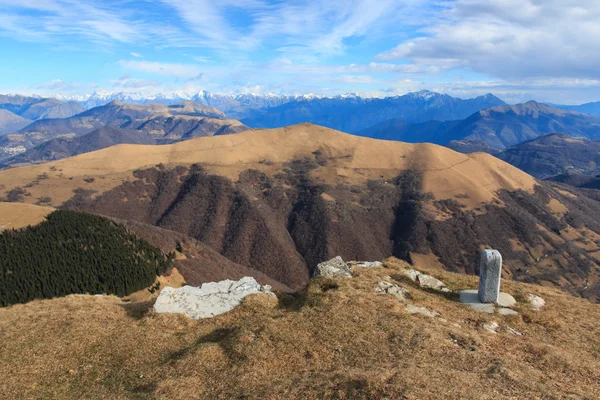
{"type": "Point", "coordinates": [498, 127]}
{"type": "Point", "coordinates": [164, 123]}
{"type": "Point", "coordinates": [35, 108]}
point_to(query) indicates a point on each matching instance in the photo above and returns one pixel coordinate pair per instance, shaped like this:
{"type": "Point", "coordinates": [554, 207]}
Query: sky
{"type": "Point", "coordinates": [547, 50]}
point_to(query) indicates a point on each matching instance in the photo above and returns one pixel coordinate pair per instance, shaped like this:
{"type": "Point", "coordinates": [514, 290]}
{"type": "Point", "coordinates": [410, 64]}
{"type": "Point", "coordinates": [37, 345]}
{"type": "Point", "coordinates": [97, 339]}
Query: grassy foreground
{"type": "Point", "coordinates": [339, 339]}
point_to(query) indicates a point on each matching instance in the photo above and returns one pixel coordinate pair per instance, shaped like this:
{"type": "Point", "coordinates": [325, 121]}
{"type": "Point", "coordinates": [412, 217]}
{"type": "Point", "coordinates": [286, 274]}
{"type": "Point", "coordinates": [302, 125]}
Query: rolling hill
{"type": "Point", "coordinates": [166, 123]}
{"type": "Point", "coordinates": [498, 127]}
{"type": "Point", "coordinates": [280, 201]}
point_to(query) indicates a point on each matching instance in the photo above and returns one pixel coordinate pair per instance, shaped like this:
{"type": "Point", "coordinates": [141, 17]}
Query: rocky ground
{"type": "Point", "coordinates": [389, 331]}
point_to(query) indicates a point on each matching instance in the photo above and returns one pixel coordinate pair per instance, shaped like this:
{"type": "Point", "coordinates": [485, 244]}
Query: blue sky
{"type": "Point", "coordinates": [517, 49]}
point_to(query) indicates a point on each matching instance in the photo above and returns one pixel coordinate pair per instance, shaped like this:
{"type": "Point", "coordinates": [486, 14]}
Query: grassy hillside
{"type": "Point", "coordinates": [337, 340]}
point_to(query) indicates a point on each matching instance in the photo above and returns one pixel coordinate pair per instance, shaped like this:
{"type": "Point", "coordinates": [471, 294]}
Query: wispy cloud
{"type": "Point", "coordinates": [510, 39]}
{"type": "Point", "coordinates": [134, 54]}
{"type": "Point", "coordinates": [167, 69]}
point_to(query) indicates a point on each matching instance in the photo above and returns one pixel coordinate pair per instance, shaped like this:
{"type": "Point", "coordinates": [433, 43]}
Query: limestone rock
{"type": "Point", "coordinates": [390, 288]}
{"type": "Point", "coordinates": [426, 281]}
{"type": "Point", "coordinates": [490, 271]}
{"type": "Point", "coordinates": [537, 303]}
{"type": "Point", "coordinates": [367, 264]}
{"type": "Point", "coordinates": [334, 268]}
{"type": "Point", "coordinates": [412, 309]}
{"type": "Point", "coordinates": [208, 300]}
{"type": "Point", "coordinates": [505, 300]}
{"type": "Point", "coordinates": [507, 311]}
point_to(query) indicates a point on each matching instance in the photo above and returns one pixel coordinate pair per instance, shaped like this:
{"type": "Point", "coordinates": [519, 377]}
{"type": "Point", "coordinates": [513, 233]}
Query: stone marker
{"type": "Point", "coordinates": [490, 270]}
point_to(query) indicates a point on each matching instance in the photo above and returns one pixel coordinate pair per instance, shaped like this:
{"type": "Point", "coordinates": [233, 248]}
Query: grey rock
{"type": "Point", "coordinates": [490, 271]}
{"type": "Point", "coordinates": [426, 281]}
{"type": "Point", "coordinates": [334, 268]}
{"type": "Point", "coordinates": [390, 288]}
{"type": "Point", "coordinates": [536, 302]}
{"type": "Point", "coordinates": [367, 264]}
{"type": "Point", "coordinates": [208, 300]}
{"type": "Point", "coordinates": [412, 309]}
{"type": "Point", "coordinates": [507, 311]}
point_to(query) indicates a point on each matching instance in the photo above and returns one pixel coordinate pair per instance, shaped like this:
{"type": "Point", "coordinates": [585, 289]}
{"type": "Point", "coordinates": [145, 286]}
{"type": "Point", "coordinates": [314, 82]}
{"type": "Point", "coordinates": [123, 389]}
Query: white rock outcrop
{"type": "Point", "coordinates": [208, 300]}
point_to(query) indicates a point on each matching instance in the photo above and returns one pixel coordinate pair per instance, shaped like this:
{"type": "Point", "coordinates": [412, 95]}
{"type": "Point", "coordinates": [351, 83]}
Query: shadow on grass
{"type": "Point", "coordinates": [138, 310]}
{"type": "Point", "coordinates": [450, 296]}
{"type": "Point", "coordinates": [224, 337]}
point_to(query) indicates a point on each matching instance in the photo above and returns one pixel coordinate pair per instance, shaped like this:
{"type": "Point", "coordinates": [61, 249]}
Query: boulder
{"type": "Point", "coordinates": [208, 300]}
{"type": "Point", "coordinates": [334, 268]}
{"type": "Point", "coordinates": [395, 290]}
{"type": "Point", "coordinates": [536, 302]}
{"type": "Point", "coordinates": [426, 281]}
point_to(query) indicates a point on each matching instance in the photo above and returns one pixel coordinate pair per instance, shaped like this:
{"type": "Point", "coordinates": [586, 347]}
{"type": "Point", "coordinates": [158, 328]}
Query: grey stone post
{"type": "Point", "coordinates": [490, 270]}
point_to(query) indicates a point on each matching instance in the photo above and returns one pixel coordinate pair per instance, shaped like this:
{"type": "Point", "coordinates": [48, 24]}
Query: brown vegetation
{"type": "Point", "coordinates": [335, 340]}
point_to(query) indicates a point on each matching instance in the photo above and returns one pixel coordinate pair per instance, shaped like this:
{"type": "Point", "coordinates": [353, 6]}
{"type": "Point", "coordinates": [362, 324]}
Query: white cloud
{"type": "Point", "coordinates": [134, 54]}
{"type": "Point", "coordinates": [159, 68]}
{"type": "Point", "coordinates": [510, 39]}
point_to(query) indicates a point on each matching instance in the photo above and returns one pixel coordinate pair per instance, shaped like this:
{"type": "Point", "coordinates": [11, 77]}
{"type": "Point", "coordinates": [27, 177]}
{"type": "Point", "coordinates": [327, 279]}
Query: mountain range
{"type": "Point", "coordinates": [497, 127]}
{"type": "Point", "coordinates": [159, 123]}
{"type": "Point", "coordinates": [35, 108]}
{"type": "Point", "coordinates": [281, 201]}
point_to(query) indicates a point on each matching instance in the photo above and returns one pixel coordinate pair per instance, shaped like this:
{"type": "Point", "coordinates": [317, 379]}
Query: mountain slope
{"type": "Point", "coordinates": [35, 108]}
{"type": "Point", "coordinates": [60, 148]}
{"type": "Point", "coordinates": [555, 154]}
{"type": "Point", "coordinates": [587, 108]}
{"type": "Point", "coordinates": [339, 339]}
{"type": "Point", "coordinates": [11, 122]}
{"type": "Point", "coordinates": [352, 113]}
{"type": "Point", "coordinates": [498, 127]}
{"type": "Point", "coordinates": [280, 201]}
{"type": "Point", "coordinates": [162, 122]}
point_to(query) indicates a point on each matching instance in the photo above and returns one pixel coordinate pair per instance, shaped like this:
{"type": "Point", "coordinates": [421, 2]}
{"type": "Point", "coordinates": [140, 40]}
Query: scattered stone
{"type": "Point", "coordinates": [513, 331]}
{"type": "Point", "coordinates": [507, 311]}
{"type": "Point", "coordinates": [490, 270]}
{"type": "Point", "coordinates": [491, 327]}
{"type": "Point", "coordinates": [536, 302]}
{"type": "Point", "coordinates": [367, 264]}
{"type": "Point", "coordinates": [505, 300]}
{"type": "Point", "coordinates": [208, 300]}
{"type": "Point", "coordinates": [412, 309]}
{"type": "Point", "coordinates": [412, 274]}
{"type": "Point", "coordinates": [426, 281]}
{"type": "Point", "coordinates": [389, 288]}
{"type": "Point", "coordinates": [334, 268]}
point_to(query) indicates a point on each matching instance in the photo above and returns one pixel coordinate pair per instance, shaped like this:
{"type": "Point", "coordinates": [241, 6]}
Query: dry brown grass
{"type": "Point", "coordinates": [339, 339]}
{"type": "Point", "coordinates": [17, 215]}
{"type": "Point", "coordinates": [352, 159]}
